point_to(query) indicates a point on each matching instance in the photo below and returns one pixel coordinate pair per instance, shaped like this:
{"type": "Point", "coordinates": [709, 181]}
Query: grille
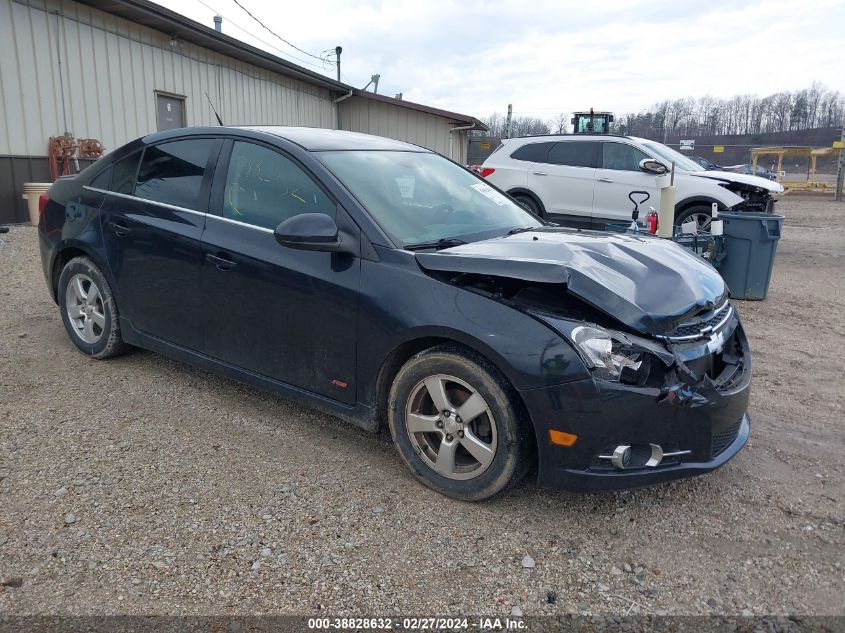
{"type": "Point", "coordinates": [723, 439]}
{"type": "Point", "coordinates": [694, 329]}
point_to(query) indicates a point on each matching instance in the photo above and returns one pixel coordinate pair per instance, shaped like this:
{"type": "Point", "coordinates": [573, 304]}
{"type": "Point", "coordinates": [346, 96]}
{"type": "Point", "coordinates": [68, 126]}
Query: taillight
{"type": "Point", "coordinates": [486, 171]}
{"type": "Point", "coordinates": [43, 199]}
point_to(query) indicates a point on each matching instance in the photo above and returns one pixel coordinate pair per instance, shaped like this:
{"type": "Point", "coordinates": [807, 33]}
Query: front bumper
{"type": "Point", "coordinates": [708, 419]}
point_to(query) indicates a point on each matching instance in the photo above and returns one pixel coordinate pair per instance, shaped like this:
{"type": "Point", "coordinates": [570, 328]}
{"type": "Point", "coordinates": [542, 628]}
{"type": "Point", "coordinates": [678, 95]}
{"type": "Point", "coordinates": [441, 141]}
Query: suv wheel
{"type": "Point", "coordinates": [530, 204]}
{"type": "Point", "coordinates": [88, 309]}
{"type": "Point", "coordinates": [453, 421]}
{"type": "Point", "coordinates": [701, 213]}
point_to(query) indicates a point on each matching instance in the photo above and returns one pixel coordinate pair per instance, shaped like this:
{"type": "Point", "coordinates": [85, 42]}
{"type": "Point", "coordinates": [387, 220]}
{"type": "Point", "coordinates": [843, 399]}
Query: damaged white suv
{"type": "Point", "coordinates": [584, 180]}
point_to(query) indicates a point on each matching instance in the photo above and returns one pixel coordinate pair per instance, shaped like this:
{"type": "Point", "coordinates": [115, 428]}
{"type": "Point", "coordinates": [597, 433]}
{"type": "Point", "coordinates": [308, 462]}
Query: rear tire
{"type": "Point", "coordinates": [701, 212]}
{"type": "Point", "coordinates": [88, 309]}
{"type": "Point", "coordinates": [467, 459]}
{"type": "Point", "coordinates": [530, 204]}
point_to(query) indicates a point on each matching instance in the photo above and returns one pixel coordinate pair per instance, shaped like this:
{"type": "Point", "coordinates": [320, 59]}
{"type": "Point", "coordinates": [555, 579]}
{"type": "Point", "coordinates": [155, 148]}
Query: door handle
{"type": "Point", "coordinates": [540, 173]}
{"type": "Point", "coordinates": [221, 262]}
{"type": "Point", "coordinates": [119, 229]}
{"type": "Point", "coordinates": [605, 180]}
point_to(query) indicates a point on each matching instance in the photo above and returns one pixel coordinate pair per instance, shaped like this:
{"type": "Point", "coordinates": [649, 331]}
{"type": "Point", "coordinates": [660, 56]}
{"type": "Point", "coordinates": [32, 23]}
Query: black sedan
{"type": "Point", "coordinates": [382, 283]}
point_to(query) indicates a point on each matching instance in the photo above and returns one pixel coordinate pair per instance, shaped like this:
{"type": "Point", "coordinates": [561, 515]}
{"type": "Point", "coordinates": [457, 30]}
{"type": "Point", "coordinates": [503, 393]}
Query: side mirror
{"type": "Point", "coordinates": [653, 166]}
{"type": "Point", "coordinates": [312, 232]}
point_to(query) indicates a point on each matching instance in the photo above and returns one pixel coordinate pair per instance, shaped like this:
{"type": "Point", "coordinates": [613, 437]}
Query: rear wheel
{"type": "Point", "coordinates": [529, 203]}
{"type": "Point", "coordinates": [453, 420]}
{"type": "Point", "coordinates": [701, 213]}
{"type": "Point", "coordinates": [88, 309]}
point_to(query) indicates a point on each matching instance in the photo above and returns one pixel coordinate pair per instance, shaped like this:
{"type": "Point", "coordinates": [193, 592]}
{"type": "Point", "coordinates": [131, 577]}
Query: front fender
{"type": "Point", "coordinates": [401, 304]}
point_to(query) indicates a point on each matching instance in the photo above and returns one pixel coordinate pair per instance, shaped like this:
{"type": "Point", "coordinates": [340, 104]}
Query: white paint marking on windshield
{"type": "Point", "coordinates": [488, 192]}
{"type": "Point", "coordinates": [406, 186]}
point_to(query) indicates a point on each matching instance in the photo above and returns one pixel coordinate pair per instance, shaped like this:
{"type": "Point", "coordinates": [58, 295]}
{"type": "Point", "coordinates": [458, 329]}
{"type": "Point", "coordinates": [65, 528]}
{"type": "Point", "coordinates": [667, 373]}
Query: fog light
{"type": "Point", "coordinates": [626, 456]}
{"type": "Point", "coordinates": [621, 457]}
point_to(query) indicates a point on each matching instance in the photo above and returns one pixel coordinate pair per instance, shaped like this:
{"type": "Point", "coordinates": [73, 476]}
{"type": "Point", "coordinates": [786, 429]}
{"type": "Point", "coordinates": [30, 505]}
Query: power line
{"type": "Point", "coordinates": [265, 42]}
{"type": "Point", "coordinates": [266, 28]}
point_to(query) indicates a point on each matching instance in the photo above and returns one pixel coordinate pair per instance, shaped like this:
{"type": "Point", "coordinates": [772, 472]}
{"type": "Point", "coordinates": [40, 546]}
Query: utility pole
{"type": "Point", "coordinates": [840, 172]}
{"type": "Point", "coordinates": [338, 50]}
{"type": "Point", "coordinates": [508, 123]}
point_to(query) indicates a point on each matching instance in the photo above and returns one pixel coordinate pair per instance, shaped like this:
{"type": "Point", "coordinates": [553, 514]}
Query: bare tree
{"type": "Point", "coordinates": [816, 106]}
{"type": "Point", "coordinates": [560, 123]}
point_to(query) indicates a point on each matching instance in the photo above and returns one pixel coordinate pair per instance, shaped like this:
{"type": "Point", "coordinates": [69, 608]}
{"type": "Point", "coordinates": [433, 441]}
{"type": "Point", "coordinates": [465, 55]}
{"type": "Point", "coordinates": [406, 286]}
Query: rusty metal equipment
{"type": "Point", "coordinates": [61, 149]}
{"type": "Point", "coordinates": [90, 148]}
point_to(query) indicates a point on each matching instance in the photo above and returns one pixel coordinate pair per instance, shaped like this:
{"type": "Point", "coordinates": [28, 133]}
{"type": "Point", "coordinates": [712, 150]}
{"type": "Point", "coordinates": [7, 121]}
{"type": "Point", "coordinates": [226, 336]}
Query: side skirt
{"type": "Point", "coordinates": [360, 415]}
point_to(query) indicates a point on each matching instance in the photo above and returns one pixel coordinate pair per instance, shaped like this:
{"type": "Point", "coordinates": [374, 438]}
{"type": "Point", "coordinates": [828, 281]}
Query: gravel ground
{"type": "Point", "coordinates": [142, 485]}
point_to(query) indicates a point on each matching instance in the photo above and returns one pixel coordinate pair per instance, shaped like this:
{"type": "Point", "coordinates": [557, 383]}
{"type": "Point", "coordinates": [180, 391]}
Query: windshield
{"type": "Point", "coordinates": [671, 156]}
{"type": "Point", "coordinates": [419, 197]}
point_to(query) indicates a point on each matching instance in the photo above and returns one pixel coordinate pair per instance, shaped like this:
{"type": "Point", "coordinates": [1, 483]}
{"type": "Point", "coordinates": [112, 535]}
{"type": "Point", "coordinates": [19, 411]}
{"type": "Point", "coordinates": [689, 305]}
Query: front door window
{"type": "Point", "coordinates": [264, 188]}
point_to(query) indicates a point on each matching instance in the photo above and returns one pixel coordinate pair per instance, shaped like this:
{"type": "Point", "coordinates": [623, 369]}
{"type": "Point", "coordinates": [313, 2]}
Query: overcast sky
{"type": "Point", "coordinates": [547, 57]}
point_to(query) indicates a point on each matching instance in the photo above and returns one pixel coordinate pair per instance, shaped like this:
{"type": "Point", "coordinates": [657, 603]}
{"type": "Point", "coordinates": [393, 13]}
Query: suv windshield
{"type": "Point", "coordinates": [671, 156]}
{"type": "Point", "coordinates": [420, 198]}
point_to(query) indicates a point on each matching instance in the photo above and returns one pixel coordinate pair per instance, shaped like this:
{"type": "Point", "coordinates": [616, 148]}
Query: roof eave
{"type": "Point", "coordinates": [455, 117]}
{"type": "Point", "coordinates": [164, 20]}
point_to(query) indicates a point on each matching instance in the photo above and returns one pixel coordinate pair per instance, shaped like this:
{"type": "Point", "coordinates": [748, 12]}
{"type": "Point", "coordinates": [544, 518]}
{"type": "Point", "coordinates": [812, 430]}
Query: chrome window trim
{"type": "Point", "coordinates": [172, 207]}
{"type": "Point", "coordinates": [244, 224]}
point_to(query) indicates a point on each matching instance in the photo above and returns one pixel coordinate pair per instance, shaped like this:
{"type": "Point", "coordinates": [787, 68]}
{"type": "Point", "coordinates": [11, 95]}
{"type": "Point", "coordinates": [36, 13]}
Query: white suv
{"type": "Point", "coordinates": [584, 180]}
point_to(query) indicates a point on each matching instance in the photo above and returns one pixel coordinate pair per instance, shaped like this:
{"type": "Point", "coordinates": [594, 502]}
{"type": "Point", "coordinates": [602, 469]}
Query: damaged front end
{"type": "Point", "coordinates": [756, 199]}
{"type": "Point", "coordinates": [667, 370]}
{"type": "Point", "coordinates": [657, 408]}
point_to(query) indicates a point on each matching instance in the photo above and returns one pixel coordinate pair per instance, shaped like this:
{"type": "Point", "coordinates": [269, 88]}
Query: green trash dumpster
{"type": "Point", "coordinates": [751, 240]}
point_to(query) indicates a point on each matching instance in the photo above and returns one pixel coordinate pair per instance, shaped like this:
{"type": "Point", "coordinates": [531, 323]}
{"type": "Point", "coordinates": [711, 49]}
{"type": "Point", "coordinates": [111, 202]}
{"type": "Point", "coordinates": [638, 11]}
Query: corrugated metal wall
{"type": "Point", "coordinates": [111, 69]}
{"type": "Point", "coordinates": [67, 67]}
{"type": "Point", "coordinates": [359, 114]}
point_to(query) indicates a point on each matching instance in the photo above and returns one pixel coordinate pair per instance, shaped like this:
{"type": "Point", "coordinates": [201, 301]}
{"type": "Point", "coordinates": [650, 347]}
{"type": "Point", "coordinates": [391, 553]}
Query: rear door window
{"type": "Point", "coordinates": [173, 173]}
{"type": "Point", "coordinates": [102, 180]}
{"type": "Point", "coordinates": [533, 152]}
{"type": "Point", "coordinates": [265, 188]}
{"type": "Point", "coordinates": [621, 156]}
{"type": "Point", "coordinates": [123, 174]}
{"type": "Point", "coordinates": [574, 154]}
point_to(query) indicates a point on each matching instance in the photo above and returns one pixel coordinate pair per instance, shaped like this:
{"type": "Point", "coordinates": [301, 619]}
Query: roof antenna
{"type": "Point", "coordinates": [219, 120]}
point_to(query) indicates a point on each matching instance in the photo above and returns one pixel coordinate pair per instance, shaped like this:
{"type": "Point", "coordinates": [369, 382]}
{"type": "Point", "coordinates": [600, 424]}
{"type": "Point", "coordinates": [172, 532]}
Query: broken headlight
{"type": "Point", "coordinates": [607, 357]}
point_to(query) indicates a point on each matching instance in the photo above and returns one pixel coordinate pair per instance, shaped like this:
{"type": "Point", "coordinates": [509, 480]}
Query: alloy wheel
{"type": "Point", "coordinates": [85, 308]}
{"type": "Point", "coordinates": [451, 427]}
{"type": "Point", "coordinates": [702, 221]}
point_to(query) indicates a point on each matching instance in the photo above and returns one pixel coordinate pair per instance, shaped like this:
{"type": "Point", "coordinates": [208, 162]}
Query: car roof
{"type": "Point", "coordinates": [312, 139]}
{"type": "Point", "coordinates": [316, 139]}
{"type": "Point", "coordinates": [573, 137]}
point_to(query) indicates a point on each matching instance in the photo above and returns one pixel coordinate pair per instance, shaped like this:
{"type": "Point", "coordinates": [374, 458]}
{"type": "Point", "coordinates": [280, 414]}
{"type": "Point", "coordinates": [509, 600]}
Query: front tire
{"type": "Point", "coordinates": [702, 213]}
{"type": "Point", "coordinates": [529, 204]}
{"type": "Point", "coordinates": [454, 422]}
{"type": "Point", "coordinates": [88, 309]}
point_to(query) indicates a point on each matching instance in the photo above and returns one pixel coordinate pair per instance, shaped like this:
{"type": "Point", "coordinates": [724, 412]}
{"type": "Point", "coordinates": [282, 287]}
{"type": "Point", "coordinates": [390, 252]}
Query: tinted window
{"type": "Point", "coordinates": [173, 172]}
{"type": "Point", "coordinates": [622, 157]}
{"type": "Point", "coordinates": [573, 153]}
{"type": "Point", "coordinates": [265, 188]}
{"type": "Point", "coordinates": [123, 174]}
{"type": "Point", "coordinates": [421, 197]}
{"type": "Point", "coordinates": [102, 180]}
{"type": "Point", "coordinates": [534, 152]}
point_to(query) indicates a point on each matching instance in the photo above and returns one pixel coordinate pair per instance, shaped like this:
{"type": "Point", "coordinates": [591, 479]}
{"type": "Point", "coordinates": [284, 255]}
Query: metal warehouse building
{"type": "Point", "coordinates": [114, 70]}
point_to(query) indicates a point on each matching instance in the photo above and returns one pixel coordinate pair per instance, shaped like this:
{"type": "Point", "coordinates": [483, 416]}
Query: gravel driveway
{"type": "Point", "coordinates": [143, 485]}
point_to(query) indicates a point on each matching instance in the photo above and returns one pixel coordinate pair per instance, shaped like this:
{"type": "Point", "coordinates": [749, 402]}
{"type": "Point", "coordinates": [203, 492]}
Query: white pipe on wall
{"type": "Point", "coordinates": [457, 129]}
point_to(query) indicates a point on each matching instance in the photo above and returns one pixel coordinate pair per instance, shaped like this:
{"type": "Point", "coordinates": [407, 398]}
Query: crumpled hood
{"type": "Point", "coordinates": [746, 179]}
{"type": "Point", "coordinates": [650, 284]}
